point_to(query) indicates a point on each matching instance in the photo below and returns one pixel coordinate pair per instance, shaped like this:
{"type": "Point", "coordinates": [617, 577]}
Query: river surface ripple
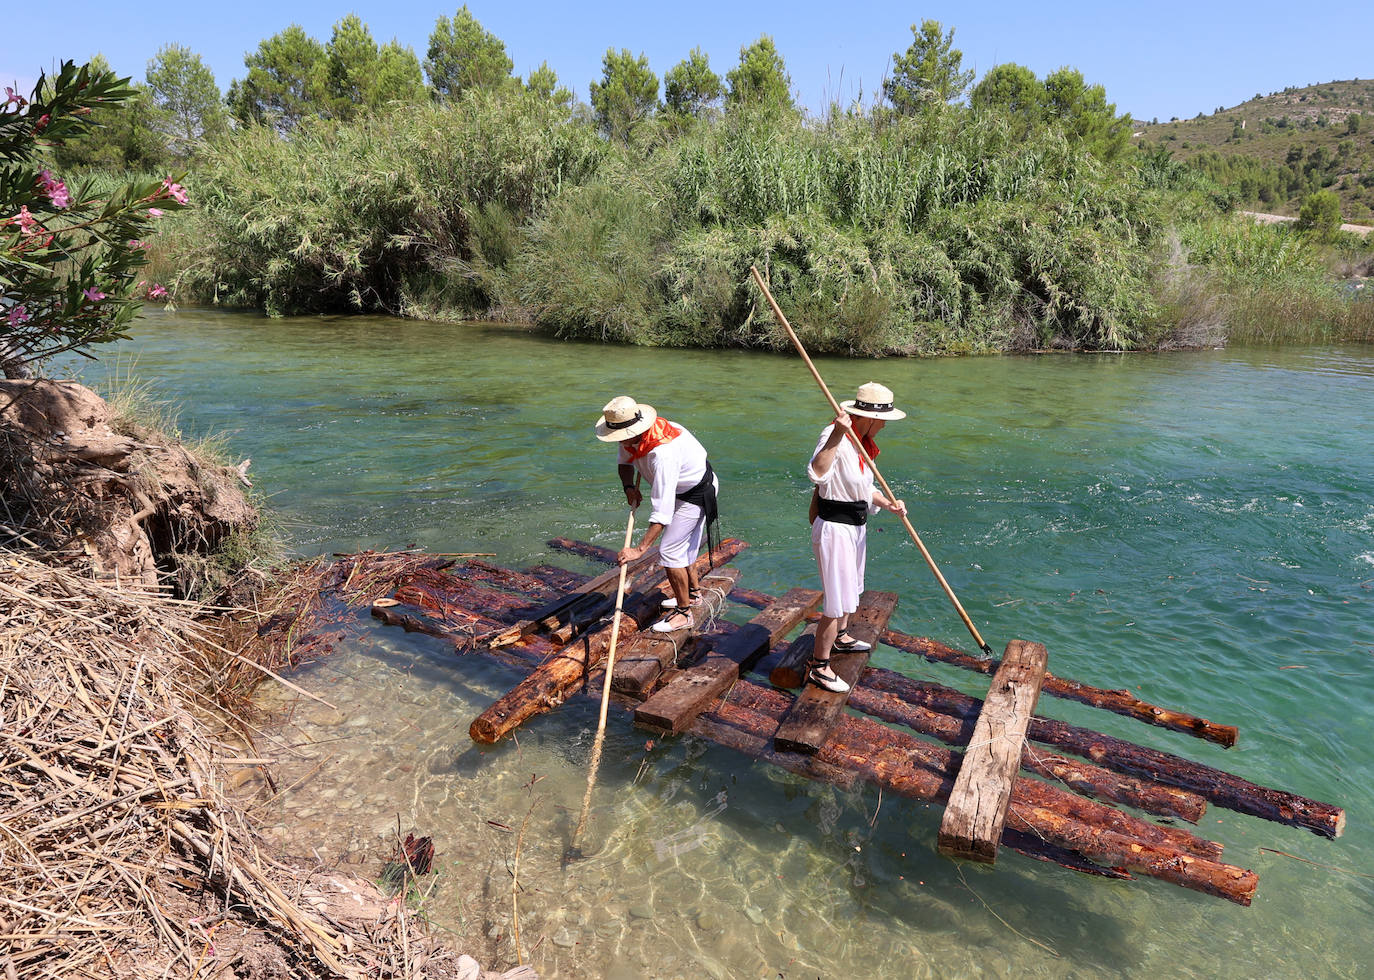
{"type": "Point", "coordinates": [1196, 527]}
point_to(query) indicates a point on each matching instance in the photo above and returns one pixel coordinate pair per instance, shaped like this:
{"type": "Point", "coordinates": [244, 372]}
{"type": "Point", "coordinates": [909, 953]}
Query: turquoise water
{"type": "Point", "coordinates": [1196, 527]}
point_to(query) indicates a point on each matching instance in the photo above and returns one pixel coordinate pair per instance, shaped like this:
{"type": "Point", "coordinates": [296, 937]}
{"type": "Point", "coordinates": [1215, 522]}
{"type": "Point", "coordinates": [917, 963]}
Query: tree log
{"type": "Point", "coordinates": [904, 765]}
{"type": "Point", "coordinates": [549, 685]}
{"type": "Point", "coordinates": [1081, 777]}
{"type": "Point", "coordinates": [1214, 785]}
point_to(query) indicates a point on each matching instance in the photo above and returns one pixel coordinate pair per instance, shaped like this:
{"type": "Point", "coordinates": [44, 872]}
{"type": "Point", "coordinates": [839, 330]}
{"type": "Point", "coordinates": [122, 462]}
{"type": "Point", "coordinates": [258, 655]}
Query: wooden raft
{"type": "Point", "coordinates": [1070, 821]}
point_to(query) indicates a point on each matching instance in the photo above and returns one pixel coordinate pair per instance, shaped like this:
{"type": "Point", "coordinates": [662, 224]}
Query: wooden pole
{"type": "Point", "coordinates": [573, 849]}
{"type": "Point", "coordinates": [796, 341]}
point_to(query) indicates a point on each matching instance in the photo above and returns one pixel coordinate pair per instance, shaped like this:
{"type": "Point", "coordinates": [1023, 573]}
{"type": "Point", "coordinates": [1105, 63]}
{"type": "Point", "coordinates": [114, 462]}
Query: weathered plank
{"type": "Point", "coordinates": [640, 662]}
{"type": "Point", "coordinates": [672, 708]}
{"type": "Point", "coordinates": [977, 808]}
{"type": "Point", "coordinates": [812, 717]}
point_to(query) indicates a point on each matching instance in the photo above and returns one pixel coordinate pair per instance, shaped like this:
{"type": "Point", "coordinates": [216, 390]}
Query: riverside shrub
{"type": "Point", "coordinates": [69, 256]}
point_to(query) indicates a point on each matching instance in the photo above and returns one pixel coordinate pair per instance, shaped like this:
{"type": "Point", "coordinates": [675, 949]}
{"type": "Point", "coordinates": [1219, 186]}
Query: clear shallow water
{"type": "Point", "coordinates": [1198, 528]}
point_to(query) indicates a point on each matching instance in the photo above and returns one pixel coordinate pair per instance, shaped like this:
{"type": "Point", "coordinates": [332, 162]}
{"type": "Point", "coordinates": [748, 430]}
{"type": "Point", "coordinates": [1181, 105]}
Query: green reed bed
{"type": "Point", "coordinates": [954, 232]}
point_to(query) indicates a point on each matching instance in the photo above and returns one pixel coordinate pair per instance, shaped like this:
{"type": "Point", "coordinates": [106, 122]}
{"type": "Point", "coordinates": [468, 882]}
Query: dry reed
{"type": "Point", "coordinates": [121, 853]}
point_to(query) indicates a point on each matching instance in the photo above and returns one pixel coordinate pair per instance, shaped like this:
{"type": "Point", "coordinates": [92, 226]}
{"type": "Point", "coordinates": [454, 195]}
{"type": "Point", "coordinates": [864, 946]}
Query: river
{"type": "Point", "coordinates": [1196, 527]}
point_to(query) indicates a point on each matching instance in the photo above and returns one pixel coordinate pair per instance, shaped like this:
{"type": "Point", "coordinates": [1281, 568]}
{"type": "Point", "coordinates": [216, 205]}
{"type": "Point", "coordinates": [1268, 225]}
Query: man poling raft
{"type": "Point", "coordinates": [844, 497]}
{"type": "Point", "coordinates": [682, 497]}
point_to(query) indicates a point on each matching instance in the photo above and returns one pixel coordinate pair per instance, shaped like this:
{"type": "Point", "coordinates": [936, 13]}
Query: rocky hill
{"type": "Point", "coordinates": [1275, 149]}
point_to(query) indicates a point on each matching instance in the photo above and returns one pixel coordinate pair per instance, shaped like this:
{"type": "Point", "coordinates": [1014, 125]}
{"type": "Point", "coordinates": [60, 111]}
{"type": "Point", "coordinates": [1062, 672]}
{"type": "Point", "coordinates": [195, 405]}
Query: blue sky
{"type": "Point", "coordinates": [1162, 59]}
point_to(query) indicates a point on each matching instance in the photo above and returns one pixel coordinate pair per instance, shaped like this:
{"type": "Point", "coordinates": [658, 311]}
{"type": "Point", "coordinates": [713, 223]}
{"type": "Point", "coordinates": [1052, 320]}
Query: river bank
{"type": "Point", "coordinates": [131, 842]}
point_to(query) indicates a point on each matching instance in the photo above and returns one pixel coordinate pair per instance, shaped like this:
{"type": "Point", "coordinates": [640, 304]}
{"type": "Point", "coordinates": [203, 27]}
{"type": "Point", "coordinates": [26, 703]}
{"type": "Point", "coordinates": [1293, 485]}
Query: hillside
{"type": "Point", "coordinates": [1275, 149]}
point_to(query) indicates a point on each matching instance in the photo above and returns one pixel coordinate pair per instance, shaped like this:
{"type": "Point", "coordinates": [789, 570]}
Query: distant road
{"type": "Point", "coordinates": [1272, 219]}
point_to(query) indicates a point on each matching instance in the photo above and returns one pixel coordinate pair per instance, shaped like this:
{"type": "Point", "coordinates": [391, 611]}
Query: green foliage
{"type": "Point", "coordinates": [626, 94]}
{"type": "Point", "coordinates": [362, 77]}
{"type": "Point", "coordinates": [543, 82]}
{"type": "Point", "coordinates": [691, 88]}
{"type": "Point", "coordinates": [1014, 91]}
{"type": "Point", "coordinates": [184, 92]}
{"type": "Point", "coordinates": [287, 81]}
{"type": "Point", "coordinates": [760, 80]}
{"type": "Point", "coordinates": [463, 55]}
{"type": "Point", "coordinates": [929, 73]}
{"type": "Point", "coordinates": [1086, 114]}
{"type": "Point", "coordinates": [1321, 214]}
{"type": "Point", "coordinates": [69, 259]}
{"type": "Point", "coordinates": [122, 136]}
{"type": "Point", "coordinates": [403, 213]}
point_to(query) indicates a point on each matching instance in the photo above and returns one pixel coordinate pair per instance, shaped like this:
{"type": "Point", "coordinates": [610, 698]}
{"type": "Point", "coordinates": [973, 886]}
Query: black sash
{"type": "Point", "coordinates": [853, 512]}
{"type": "Point", "coordinates": [704, 496]}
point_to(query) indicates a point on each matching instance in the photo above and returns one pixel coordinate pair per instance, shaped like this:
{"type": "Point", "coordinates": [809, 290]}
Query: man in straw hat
{"type": "Point", "coordinates": [682, 496]}
{"type": "Point", "coordinates": [846, 496]}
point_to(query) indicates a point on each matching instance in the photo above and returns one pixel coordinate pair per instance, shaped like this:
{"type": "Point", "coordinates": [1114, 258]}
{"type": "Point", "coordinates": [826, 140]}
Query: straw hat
{"type": "Point", "coordinates": [624, 418]}
{"type": "Point", "coordinates": [873, 401]}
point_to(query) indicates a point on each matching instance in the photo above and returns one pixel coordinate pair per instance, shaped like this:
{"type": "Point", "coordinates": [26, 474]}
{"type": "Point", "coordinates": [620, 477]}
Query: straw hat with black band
{"type": "Point", "coordinates": [873, 401]}
{"type": "Point", "coordinates": [624, 418]}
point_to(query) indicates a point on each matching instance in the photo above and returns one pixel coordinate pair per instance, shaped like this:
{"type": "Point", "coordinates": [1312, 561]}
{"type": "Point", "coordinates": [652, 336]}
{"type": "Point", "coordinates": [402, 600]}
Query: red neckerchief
{"type": "Point", "coordinates": [871, 448]}
{"type": "Point", "coordinates": [660, 432]}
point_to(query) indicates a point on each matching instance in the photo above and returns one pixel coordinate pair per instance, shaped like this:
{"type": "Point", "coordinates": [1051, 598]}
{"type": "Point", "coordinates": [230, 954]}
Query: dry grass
{"type": "Point", "coordinates": [121, 851]}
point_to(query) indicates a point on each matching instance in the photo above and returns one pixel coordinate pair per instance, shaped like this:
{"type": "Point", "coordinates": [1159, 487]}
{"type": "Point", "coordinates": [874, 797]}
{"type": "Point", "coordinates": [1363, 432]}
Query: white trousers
{"type": "Point", "coordinates": [681, 539]}
{"type": "Point", "coordinates": [841, 551]}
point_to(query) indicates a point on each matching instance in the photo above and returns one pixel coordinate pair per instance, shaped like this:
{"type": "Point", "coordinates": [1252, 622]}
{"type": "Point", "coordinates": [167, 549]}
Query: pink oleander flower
{"type": "Point", "coordinates": [93, 294]}
{"type": "Point", "coordinates": [55, 189]}
{"type": "Point", "coordinates": [14, 98]}
{"type": "Point", "coordinates": [156, 292]}
{"type": "Point", "coordinates": [138, 243]}
{"type": "Point", "coordinates": [28, 224]}
{"type": "Point", "coordinates": [155, 212]}
{"type": "Point", "coordinates": [42, 123]}
{"type": "Point", "coordinates": [19, 315]}
{"type": "Point", "coordinates": [173, 190]}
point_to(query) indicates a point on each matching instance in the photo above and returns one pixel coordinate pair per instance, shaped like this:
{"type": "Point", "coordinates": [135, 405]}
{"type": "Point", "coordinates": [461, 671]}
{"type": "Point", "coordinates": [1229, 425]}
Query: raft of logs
{"type": "Point", "coordinates": [911, 737]}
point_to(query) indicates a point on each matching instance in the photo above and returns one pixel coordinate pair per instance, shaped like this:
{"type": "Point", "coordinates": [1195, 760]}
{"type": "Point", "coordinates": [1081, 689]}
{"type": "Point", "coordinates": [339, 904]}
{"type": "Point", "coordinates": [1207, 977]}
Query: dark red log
{"type": "Point", "coordinates": [1220, 788]}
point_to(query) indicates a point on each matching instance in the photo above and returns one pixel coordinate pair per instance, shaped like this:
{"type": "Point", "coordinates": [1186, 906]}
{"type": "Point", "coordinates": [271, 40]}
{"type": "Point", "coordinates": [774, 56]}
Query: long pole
{"type": "Point", "coordinates": [573, 850]}
{"type": "Point", "coordinates": [777, 312]}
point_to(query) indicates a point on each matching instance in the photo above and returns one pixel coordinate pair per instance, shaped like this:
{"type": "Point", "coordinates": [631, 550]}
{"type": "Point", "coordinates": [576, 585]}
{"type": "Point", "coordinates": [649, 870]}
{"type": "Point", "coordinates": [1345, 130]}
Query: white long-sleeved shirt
{"type": "Point", "coordinates": [844, 480]}
{"type": "Point", "coordinates": [670, 469]}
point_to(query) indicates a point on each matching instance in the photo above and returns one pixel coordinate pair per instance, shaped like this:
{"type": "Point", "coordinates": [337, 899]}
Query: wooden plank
{"type": "Point", "coordinates": [977, 808]}
{"type": "Point", "coordinates": [790, 671]}
{"type": "Point", "coordinates": [639, 664]}
{"type": "Point", "coordinates": [673, 707]}
{"type": "Point", "coordinates": [812, 717]}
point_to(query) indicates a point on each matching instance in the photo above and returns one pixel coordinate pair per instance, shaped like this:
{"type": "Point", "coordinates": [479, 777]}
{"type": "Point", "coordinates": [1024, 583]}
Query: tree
{"type": "Point", "coordinates": [286, 81]}
{"type": "Point", "coordinates": [399, 76]}
{"type": "Point", "coordinates": [626, 94]}
{"type": "Point", "coordinates": [1087, 116]}
{"type": "Point", "coordinates": [1320, 214]}
{"type": "Point", "coordinates": [464, 55]}
{"type": "Point", "coordinates": [760, 79]}
{"type": "Point", "coordinates": [929, 73]}
{"type": "Point", "coordinates": [350, 60]}
{"type": "Point", "coordinates": [1014, 90]}
{"type": "Point", "coordinates": [122, 134]}
{"type": "Point", "coordinates": [184, 92]}
{"type": "Point", "coordinates": [69, 259]}
{"type": "Point", "coordinates": [691, 88]}
{"type": "Point", "coordinates": [543, 82]}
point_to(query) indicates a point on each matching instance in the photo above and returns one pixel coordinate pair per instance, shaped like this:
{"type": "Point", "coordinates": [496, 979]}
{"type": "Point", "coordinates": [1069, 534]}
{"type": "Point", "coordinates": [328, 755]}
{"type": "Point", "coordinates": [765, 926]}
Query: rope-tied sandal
{"type": "Point", "coordinates": [834, 683]}
{"type": "Point", "coordinates": [693, 599]}
{"type": "Point", "coordinates": [665, 625]}
{"type": "Point", "coordinates": [851, 645]}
